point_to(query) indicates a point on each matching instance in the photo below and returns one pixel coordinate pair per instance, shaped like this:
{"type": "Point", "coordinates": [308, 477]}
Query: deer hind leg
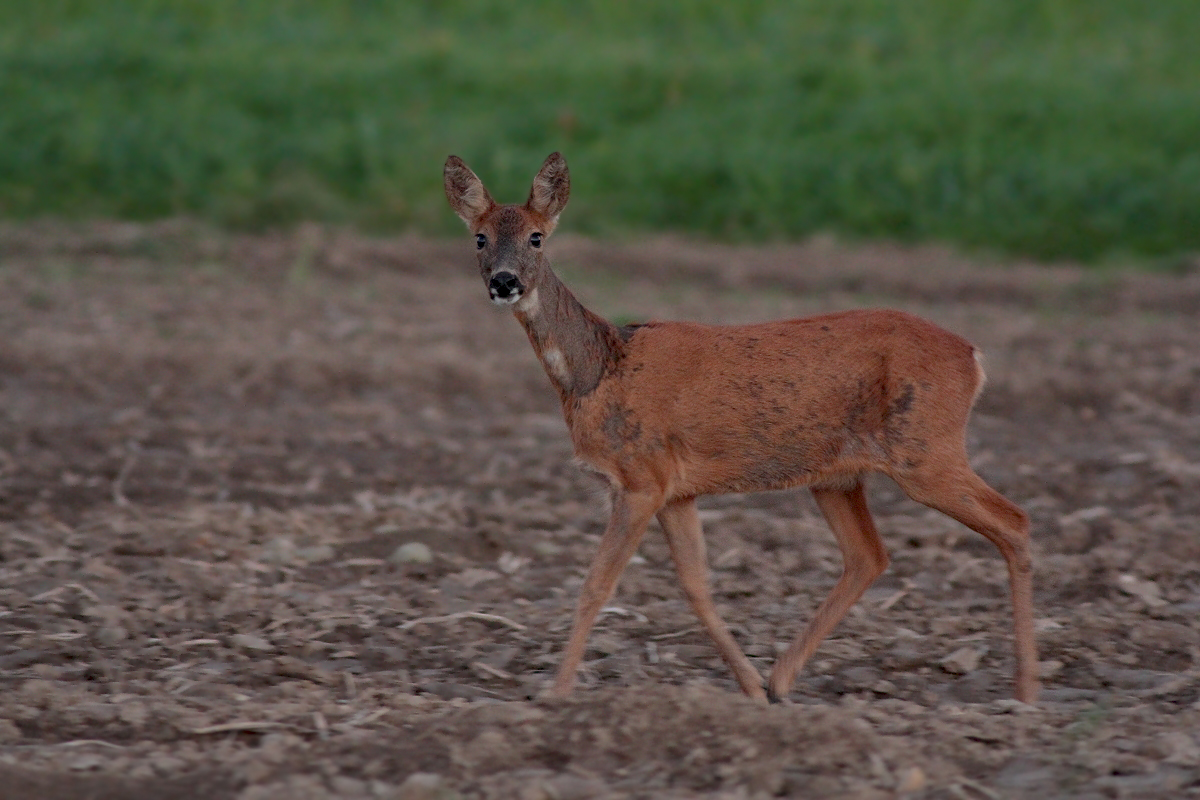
{"type": "Point", "coordinates": [961, 494]}
{"type": "Point", "coordinates": [631, 514]}
{"type": "Point", "coordinates": [864, 559]}
{"type": "Point", "coordinates": [681, 525]}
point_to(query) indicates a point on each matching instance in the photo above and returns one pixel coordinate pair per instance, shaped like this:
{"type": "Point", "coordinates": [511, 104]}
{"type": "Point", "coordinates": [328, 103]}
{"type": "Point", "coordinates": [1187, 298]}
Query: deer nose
{"type": "Point", "coordinates": [504, 285]}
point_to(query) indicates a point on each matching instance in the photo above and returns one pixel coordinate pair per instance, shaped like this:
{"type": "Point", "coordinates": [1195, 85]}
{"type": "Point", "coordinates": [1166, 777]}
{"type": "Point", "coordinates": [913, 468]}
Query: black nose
{"type": "Point", "coordinates": [505, 284]}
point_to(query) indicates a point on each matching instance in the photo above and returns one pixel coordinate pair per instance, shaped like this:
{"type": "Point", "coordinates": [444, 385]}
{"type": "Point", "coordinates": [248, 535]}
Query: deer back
{"type": "Point", "coordinates": [701, 409]}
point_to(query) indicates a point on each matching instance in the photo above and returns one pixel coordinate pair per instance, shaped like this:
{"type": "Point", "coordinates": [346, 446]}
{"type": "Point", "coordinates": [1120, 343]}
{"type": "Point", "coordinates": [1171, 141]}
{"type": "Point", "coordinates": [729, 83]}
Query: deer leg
{"type": "Point", "coordinates": [630, 515]}
{"type": "Point", "coordinates": [681, 525]}
{"type": "Point", "coordinates": [961, 494]}
{"type": "Point", "coordinates": [864, 560]}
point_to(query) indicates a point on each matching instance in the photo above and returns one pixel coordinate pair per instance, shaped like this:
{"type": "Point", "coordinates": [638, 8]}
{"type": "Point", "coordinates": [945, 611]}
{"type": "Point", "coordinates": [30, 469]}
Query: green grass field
{"type": "Point", "coordinates": [1060, 128]}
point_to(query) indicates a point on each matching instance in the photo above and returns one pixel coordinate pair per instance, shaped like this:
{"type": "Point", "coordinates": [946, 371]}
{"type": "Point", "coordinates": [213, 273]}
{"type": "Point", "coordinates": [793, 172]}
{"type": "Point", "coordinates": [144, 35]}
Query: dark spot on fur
{"type": "Point", "coordinates": [895, 428]}
{"type": "Point", "coordinates": [903, 402]}
{"type": "Point", "coordinates": [626, 332]}
{"type": "Point", "coordinates": [776, 469]}
{"type": "Point", "coordinates": [856, 414]}
{"type": "Point", "coordinates": [825, 327]}
{"type": "Point", "coordinates": [617, 427]}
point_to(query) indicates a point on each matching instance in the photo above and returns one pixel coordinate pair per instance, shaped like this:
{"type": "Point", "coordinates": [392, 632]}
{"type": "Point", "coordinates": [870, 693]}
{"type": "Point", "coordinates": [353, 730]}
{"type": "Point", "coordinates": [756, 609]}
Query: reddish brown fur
{"type": "Point", "coordinates": [668, 411]}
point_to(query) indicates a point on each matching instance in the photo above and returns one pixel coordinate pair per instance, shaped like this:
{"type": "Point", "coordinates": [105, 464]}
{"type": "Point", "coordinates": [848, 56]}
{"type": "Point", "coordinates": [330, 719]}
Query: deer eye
{"type": "Point", "coordinates": [480, 241]}
{"type": "Point", "coordinates": [535, 239]}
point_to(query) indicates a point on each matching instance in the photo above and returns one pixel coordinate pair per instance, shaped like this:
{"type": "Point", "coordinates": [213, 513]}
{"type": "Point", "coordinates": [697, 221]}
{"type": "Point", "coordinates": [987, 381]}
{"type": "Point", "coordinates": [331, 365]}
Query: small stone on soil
{"type": "Point", "coordinates": [248, 641]}
{"type": "Point", "coordinates": [961, 661]}
{"type": "Point", "coordinates": [412, 553]}
{"type": "Point", "coordinates": [1146, 591]}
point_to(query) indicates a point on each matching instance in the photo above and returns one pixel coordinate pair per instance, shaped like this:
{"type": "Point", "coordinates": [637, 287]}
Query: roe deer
{"type": "Point", "coordinates": [669, 411]}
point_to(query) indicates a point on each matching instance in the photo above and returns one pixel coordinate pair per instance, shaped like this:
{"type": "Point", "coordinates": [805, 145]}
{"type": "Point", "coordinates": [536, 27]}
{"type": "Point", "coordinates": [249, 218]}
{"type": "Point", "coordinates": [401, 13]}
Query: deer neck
{"type": "Point", "coordinates": [576, 347]}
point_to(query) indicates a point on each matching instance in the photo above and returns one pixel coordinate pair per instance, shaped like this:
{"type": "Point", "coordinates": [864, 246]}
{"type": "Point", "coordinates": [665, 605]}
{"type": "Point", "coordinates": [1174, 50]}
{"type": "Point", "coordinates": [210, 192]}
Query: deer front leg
{"type": "Point", "coordinates": [631, 512]}
{"type": "Point", "coordinates": [681, 525]}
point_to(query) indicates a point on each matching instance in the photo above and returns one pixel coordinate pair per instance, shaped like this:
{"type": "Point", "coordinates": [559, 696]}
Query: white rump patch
{"type": "Point", "coordinates": [980, 373]}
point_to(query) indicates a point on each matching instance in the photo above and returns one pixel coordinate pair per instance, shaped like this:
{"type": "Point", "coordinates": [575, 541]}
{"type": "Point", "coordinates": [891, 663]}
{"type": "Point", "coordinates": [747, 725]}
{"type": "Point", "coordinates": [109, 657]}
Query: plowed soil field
{"type": "Point", "coordinates": [221, 455]}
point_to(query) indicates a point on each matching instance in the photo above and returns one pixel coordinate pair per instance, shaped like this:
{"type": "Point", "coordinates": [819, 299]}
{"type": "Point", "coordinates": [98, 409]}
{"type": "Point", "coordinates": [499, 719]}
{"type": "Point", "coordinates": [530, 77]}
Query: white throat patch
{"type": "Point", "coordinates": [527, 303]}
{"type": "Point", "coordinates": [556, 365]}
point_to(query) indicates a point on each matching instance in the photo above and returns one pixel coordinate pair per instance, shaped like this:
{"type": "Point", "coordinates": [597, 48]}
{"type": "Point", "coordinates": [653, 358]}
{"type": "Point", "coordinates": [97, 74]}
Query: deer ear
{"type": "Point", "coordinates": [466, 193]}
{"type": "Point", "coordinates": [551, 188]}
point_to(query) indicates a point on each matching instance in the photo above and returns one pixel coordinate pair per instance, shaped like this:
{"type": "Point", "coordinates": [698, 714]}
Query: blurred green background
{"type": "Point", "coordinates": [1053, 128]}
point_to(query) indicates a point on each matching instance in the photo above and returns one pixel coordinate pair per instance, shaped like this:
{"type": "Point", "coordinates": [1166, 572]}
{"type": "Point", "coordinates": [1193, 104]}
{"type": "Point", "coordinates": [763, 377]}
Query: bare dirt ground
{"type": "Point", "coordinates": [213, 449]}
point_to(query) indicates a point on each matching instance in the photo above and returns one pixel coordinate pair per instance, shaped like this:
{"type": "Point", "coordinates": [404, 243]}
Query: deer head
{"type": "Point", "coordinates": [509, 237]}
